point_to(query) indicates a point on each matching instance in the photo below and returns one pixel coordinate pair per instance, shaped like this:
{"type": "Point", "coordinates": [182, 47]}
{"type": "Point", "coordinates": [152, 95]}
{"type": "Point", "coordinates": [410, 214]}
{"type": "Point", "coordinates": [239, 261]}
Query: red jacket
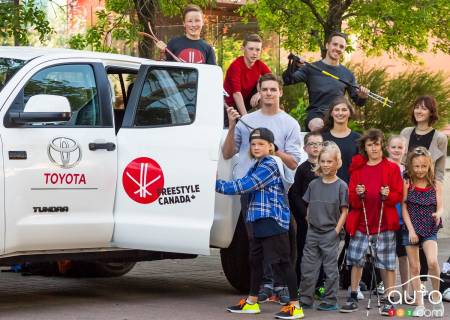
{"type": "Point", "coordinates": [390, 177]}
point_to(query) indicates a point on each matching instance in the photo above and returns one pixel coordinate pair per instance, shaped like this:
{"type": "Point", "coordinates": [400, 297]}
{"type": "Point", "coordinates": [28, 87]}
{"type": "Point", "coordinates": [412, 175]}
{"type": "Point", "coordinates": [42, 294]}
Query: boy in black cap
{"type": "Point", "coordinates": [269, 215]}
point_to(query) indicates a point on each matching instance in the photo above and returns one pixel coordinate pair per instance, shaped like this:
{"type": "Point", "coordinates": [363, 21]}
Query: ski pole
{"type": "Point", "coordinates": [384, 100]}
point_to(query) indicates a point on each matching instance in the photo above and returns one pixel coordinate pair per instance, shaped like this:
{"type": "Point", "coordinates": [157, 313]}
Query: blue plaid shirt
{"type": "Point", "coordinates": [265, 186]}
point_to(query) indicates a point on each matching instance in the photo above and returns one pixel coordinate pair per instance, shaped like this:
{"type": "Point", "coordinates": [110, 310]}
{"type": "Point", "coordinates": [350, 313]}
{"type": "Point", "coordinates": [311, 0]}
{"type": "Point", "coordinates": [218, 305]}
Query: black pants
{"type": "Point", "coordinates": [275, 251]}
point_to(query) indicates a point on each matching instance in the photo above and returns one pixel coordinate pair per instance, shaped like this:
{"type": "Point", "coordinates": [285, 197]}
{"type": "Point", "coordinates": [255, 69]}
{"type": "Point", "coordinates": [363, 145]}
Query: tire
{"type": "Point", "coordinates": [99, 269]}
{"type": "Point", "coordinates": [234, 259]}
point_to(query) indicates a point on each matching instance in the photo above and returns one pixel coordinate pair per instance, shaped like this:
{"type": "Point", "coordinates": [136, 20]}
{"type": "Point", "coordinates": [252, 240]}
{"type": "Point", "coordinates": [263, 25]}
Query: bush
{"type": "Point", "coordinates": [402, 89]}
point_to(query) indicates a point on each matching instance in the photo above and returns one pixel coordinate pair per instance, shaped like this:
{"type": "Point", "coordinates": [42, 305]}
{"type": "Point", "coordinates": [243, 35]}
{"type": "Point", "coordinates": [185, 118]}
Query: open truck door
{"type": "Point", "coordinates": [168, 155]}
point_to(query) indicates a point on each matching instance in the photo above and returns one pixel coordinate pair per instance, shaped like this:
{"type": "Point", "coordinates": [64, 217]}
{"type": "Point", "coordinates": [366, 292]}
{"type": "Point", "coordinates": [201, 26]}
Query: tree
{"type": "Point", "coordinates": [17, 18]}
{"type": "Point", "coordinates": [123, 19]}
{"type": "Point", "coordinates": [400, 28]}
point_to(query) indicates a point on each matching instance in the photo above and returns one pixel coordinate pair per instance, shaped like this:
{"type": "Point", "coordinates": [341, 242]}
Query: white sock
{"type": "Point", "coordinates": [249, 302]}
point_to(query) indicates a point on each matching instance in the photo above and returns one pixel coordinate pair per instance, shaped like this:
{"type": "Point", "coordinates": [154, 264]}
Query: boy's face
{"type": "Point", "coordinates": [313, 146]}
{"type": "Point", "coordinates": [328, 164]}
{"type": "Point", "coordinates": [260, 148]}
{"type": "Point", "coordinates": [270, 92]}
{"type": "Point", "coordinates": [252, 52]}
{"type": "Point", "coordinates": [193, 24]}
{"type": "Point", "coordinates": [374, 149]}
{"type": "Point", "coordinates": [396, 149]}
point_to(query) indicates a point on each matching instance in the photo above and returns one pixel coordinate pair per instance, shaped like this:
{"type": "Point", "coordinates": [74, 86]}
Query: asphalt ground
{"type": "Point", "coordinates": [169, 289]}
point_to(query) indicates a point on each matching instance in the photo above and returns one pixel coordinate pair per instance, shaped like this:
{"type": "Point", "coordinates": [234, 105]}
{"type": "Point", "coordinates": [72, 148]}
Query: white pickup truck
{"type": "Point", "coordinates": [111, 159]}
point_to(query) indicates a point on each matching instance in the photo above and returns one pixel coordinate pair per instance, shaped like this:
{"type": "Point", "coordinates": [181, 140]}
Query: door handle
{"type": "Point", "coordinates": [108, 146]}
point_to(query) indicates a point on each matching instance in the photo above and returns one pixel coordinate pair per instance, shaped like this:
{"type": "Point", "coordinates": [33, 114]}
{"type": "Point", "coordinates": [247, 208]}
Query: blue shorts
{"type": "Point", "coordinates": [405, 237]}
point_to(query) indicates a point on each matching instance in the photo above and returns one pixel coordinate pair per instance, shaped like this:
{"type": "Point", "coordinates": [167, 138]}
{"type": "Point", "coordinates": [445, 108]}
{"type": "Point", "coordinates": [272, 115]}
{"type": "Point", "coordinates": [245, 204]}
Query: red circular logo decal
{"type": "Point", "coordinates": [192, 55]}
{"type": "Point", "coordinates": [143, 180]}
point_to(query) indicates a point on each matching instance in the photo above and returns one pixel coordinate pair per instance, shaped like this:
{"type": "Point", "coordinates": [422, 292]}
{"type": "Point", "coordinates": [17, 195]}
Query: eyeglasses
{"type": "Point", "coordinates": [421, 151]}
{"type": "Point", "coordinates": [314, 144]}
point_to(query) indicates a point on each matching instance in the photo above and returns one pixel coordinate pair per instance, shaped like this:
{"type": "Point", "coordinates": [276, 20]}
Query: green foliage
{"type": "Point", "coordinates": [18, 19]}
{"type": "Point", "coordinates": [295, 101]}
{"type": "Point", "coordinates": [400, 28]}
{"type": "Point", "coordinates": [403, 89]}
{"type": "Point", "coordinates": [117, 22]}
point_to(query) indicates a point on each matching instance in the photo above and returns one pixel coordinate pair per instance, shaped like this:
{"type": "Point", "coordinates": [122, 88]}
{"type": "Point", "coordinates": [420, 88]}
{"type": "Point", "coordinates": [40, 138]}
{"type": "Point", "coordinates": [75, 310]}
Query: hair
{"type": "Point", "coordinates": [372, 135]}
{"type": "Point", "coordinates": [191, 8]}
{"type": "Point", "coordinates": [270, 77]}
{"type": "Point", "coordinates": [330, 147]}
{"type": "Point", "coordinates": [328, 119]}
{"type": "Point", "coordinates": [251, 38]}
{"type": "Point", "coordinates": [430, 103]}
{"type": "Point", "coordinates": [396, 136]}
{"type": "Point", "coordinates": [311, 134]}
{"type": "Point", "coordinates": [271, 152]}
{"type": "Point", "coordinates": [337, 34]}
{"type": "Point", "coordinates": [420, 152]}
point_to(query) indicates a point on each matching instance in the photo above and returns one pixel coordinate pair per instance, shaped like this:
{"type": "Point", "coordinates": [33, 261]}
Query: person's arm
{"type": "Point", "coordinates": [262, 176]}
{"type": "Point", "coordinates": [342, 218]}
{"type": "Point", "coordinates": [353, 198]}
{"type": "Point", "coordinates": [233, 79]}
{"type": "Point", "coordinates": [291, 155]}
{"type": "Point", "coordinates": [229, 146]}
{"type": "Point", "coordinates": [439, 207]}
{"type": "Point", "coordinates": [405, 215]}
{"type": "Point", "coordinates": [299, 75]}
{"type": "Point", "coordinates": [211, 56]}
{"type": "Point", "coordinates": [239, 101]}
{"type": "Point", "coordinates": [395, 185]}
{"type": "Point", "coordinates": [439, 166]}
{"type": "Point", "coordinates": [359, 96]}
{"type": "Point", "coordinates": [306, 198]}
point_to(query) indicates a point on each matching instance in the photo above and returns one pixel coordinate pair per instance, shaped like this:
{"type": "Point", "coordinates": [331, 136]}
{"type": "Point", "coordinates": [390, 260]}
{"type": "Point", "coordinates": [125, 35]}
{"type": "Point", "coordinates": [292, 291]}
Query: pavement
{"type": "Point", "coordinates": [168, 289]}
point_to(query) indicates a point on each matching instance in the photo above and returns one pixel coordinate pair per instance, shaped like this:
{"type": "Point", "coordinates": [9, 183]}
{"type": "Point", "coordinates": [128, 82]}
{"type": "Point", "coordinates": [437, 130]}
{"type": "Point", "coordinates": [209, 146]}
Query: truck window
{"type": "Point", "coordinates": [8, 67]}
{"type": "Point", "coordinates": [75, 82]}
{"type": "Point", "coordinates": [168, 98]}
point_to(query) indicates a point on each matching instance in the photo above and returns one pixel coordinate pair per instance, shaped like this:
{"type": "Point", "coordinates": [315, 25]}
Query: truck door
{"type": "Point", "coordinates": [60, 176]}
{"type": "Point", "coordinates": [168, 155]}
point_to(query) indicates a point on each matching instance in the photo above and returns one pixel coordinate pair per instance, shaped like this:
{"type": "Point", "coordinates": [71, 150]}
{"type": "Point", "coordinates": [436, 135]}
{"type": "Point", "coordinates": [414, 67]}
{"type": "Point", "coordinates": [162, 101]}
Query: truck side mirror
{"type": "Point", "coordinates": [42, 108]}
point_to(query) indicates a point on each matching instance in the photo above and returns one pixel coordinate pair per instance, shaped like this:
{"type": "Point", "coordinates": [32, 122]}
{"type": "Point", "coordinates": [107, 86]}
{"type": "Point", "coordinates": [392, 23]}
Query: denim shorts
{"type": "Point", "coordinates": [405, 237]}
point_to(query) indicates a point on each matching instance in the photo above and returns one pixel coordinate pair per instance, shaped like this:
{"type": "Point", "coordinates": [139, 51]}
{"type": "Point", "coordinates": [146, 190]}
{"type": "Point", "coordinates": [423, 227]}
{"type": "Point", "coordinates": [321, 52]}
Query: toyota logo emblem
{"type": "Point", "coordinates": [64, 152]}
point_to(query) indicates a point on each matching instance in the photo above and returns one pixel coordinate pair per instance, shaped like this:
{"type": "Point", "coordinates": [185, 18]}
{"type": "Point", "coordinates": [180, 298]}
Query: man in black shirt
{"type": "Point", "coordinates": [322, 90]}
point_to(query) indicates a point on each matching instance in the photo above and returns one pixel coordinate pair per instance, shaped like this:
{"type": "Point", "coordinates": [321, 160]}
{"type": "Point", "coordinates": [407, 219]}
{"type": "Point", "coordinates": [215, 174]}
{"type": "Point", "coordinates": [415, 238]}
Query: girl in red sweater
{"type": "Point", "coordinates": [375, 178]}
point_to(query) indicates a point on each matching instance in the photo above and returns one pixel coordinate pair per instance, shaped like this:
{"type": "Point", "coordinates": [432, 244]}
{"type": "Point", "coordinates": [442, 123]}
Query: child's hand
{"type": "Point", "coordinates": [337, 230]}
{"type": "Point", "coordinates": [437, 218]}
{"type": "Point", "coordinates": [385, 191]}
{"type": "Point", "coordinates": [161, 45]}
{"type": "Point", "coordinates": [413, 238]}
{"type": "Point", "coordinates": [360, 189]}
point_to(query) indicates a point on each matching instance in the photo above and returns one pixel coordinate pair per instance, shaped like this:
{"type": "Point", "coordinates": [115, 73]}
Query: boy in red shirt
{"type": "Point", "coordinates": [243, 74]}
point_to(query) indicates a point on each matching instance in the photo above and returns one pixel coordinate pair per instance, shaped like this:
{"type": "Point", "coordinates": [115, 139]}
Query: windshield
{"type": "Point", "coordinates": [8, 67]}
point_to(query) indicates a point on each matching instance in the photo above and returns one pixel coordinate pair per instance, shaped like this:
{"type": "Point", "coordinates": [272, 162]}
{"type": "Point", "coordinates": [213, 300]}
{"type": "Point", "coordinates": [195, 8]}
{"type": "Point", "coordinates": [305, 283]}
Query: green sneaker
{"type": "Point", "coordinates": [245, 307]}
{"type": "Point", "coordinates": [290, 312]}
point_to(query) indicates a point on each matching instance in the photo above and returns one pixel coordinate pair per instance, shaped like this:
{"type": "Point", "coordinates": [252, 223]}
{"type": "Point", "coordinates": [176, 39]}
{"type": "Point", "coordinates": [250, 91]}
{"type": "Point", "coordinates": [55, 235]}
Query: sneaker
{"type": "Point", "coordinates": [424, 290]}
{"type": "Point", "coordinates": [419, 311]}
{"type": "Point", "coordinates": [281, 296]}
{"type": "Point", "coordinates": [290, 312]}
{"type": "Point", "coordinates": [318, 294]}
{"type": "Point", "coordinates": [380, 288]}
{"type": "Point", "coordinates": [387, 309]}
{"type": "Point", "coordinates": [360, 294]}
{"type": "Point", "coordinates": [350, 306]}
{"type": "Point", "coordinates": [264, 294]}
{"type": "Point", "coordinates": [323, 306]}
{"type": "Point", "coordinates": [438, 310]}
{"type": "Point", "coordinates": [245, 307]}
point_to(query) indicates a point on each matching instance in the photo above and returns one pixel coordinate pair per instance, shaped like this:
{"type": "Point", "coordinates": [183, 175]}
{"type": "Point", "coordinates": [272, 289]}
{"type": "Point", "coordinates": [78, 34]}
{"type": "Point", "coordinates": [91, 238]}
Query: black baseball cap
{"type": "Point", "coordinates": [264, 134]}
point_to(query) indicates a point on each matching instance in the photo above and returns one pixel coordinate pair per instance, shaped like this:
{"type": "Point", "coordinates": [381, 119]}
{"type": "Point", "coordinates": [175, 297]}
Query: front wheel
{"type": "Point", "coordinates": [99, 269]}
{"type": "Point", "coordinates": [235, 263]}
